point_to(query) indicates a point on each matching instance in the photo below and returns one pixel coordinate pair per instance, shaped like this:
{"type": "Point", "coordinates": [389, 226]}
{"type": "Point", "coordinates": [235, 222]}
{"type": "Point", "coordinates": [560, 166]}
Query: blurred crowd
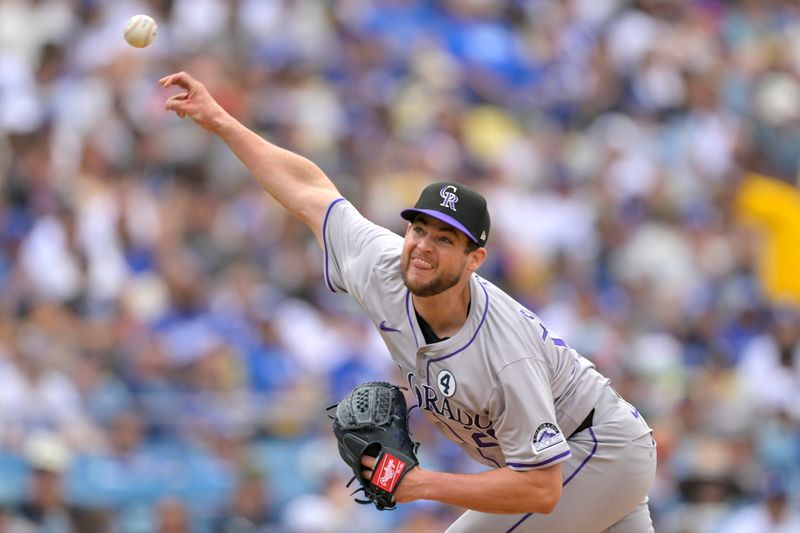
{"type": "Point", "coordinates": [168, 347]}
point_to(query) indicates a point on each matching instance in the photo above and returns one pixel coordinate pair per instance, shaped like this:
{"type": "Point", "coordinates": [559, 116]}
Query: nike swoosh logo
{"type": "Point", "coordinates": [384, 327]}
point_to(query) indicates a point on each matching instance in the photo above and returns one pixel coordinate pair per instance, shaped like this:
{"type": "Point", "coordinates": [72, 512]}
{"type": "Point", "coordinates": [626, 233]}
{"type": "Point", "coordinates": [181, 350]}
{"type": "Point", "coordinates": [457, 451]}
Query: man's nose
{"type": "Point", "coordinates": [425, 243]}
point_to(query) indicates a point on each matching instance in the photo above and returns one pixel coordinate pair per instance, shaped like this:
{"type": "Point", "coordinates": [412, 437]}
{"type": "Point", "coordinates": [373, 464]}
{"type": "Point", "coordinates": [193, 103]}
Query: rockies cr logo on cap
{"type": "Point", "coordinates": [449, 197]}
{"type": "Point", "coordinates": [439, 199]}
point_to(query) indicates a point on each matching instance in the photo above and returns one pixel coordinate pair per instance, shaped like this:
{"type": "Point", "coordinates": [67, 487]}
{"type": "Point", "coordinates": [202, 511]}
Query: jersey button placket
{"type": "Point", "coordinates": [422, 365]}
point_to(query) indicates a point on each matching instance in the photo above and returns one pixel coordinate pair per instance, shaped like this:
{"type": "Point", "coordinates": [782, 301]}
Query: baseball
{"type": "Point", "coordinates": [140, 30]}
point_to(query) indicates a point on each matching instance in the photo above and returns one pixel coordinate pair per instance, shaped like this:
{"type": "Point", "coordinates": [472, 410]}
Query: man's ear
{"type": "Point", "coordinates": [476, 258]}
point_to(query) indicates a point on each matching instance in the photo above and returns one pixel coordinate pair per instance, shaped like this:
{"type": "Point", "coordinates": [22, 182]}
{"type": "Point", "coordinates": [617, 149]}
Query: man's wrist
{"type": "Point", "coordinates": [222, 124]}
{"type": "Point", "coordinates": [424, 484]}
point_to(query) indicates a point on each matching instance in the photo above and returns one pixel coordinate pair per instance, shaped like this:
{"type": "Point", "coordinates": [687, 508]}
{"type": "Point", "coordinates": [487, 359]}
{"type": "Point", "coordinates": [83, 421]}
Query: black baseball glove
{"type": "Point", "coordinates": [373, 420]}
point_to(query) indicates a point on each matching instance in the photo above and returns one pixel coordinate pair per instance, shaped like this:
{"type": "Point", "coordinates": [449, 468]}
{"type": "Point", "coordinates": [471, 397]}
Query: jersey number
{"type": "Point", "coordinates": [478, 438]}
{"type": "Point", "coordinates": [447, 383]}
{"type": "Point", "coordinates": [444, 381]}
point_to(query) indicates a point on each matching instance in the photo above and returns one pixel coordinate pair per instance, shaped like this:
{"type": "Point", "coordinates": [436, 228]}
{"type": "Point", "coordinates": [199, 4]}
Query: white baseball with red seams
{"type": "Point", "coordinates": [140, 30]}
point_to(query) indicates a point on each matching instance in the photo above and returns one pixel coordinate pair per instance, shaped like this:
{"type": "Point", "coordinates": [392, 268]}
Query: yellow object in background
{"type": "Point", "coordinates": [488, 130]}
{"type": "Point", "coordinates": [774, 207]}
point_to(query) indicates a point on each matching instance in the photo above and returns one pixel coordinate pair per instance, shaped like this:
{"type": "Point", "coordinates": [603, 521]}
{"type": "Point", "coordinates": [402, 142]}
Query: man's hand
{"type": "Point", "coordinates": [372, 419]}
{"type": "Point", "coordinates": [196, 102]}
{"type": "Point", "coordinates": [409, 488]}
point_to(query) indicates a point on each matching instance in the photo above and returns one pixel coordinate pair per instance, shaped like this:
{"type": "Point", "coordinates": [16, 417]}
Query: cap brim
{"type": "Point", "coordinates": [409, 214]}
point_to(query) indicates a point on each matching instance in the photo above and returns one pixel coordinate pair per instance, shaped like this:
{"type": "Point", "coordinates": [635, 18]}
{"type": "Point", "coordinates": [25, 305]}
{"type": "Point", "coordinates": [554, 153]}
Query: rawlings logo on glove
{"type": "Point", "coordinates": [388, 472]}
{"type": "Point", "coordinates": [373, 420]}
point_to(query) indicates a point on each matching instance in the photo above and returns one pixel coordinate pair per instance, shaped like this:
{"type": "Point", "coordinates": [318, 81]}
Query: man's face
{"type": "Point", "coordinates": [434, 256]}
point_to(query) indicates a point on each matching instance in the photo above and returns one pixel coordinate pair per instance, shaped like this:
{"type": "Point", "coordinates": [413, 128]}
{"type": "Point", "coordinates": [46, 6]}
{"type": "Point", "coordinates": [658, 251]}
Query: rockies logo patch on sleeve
{"type": "Point", "coordinates": [546, 436]}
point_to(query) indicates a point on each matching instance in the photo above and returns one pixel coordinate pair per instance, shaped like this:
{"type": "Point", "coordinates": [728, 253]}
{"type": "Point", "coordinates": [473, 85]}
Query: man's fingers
{"type": "Point", "coordinates": [179, 110]}
{"type": "Point", "coordinates": [167, 81]}
{"type": "Point", "coordinates": [173, 103]}
{"type": "Point", "coordinates": [182, 97]}
{"type": "Point", "coordinates": [181, 79]}
{"type": "Point", "coordinates": [194, 102]}
{"type": "Point", "coordinates": [172, 79]}
{"type": "Point", "coordinates": [369, 463]}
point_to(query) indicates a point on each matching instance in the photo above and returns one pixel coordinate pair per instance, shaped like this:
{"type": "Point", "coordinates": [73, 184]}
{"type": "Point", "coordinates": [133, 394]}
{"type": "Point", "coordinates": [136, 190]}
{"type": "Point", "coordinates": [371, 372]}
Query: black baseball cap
{"type": "Point", "coordinates": [455, 204]}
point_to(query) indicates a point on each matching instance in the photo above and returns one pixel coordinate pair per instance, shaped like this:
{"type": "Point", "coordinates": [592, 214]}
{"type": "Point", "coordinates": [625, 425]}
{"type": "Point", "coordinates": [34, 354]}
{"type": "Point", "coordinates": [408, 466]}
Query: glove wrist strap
{"type": "Point", "coordinates": [388, 471]}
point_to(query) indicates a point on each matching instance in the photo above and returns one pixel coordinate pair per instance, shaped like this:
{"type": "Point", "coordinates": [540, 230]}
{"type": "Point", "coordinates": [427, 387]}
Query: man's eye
{"type": "Point", "coordinates": [417, 230]}
{"type": "Point", "coordinates": [445, 240]}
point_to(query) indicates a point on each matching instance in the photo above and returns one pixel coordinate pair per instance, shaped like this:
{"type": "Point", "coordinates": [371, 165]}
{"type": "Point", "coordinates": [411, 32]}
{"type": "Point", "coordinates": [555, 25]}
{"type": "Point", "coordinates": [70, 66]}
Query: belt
{"type": "Point", "coordinates": [587, 423]}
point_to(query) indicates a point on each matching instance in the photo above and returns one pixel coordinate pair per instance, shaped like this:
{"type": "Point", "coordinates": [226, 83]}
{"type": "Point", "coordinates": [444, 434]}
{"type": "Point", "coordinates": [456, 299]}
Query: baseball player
{"type": "Point", "coordinates": [566, 453]}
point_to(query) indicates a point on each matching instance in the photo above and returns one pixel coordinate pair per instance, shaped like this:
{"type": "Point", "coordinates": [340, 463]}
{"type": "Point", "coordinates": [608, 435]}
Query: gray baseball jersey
{"type": "Point", "coordinates": [503, 388]}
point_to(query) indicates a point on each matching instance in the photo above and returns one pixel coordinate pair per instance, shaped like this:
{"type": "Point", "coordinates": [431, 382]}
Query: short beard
{"type": "Point", "coordinates": [436, 286]}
